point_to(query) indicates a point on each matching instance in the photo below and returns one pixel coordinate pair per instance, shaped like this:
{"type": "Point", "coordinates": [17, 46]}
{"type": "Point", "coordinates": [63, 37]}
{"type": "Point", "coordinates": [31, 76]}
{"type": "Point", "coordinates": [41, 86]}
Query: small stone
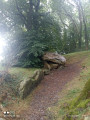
{"type": "Point", "coordinates": [18, 116]}
{"type": "Point", "coordinates": [46, 71]}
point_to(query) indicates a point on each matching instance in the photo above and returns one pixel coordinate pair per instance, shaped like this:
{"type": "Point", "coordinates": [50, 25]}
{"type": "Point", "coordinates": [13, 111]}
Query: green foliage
{"type": "Point", "coordinates": [32, 44]}
{"type": "Point", "coordinates": [72, 93]}
{"type": "Point", "coordinates": [34, 31]}
{"type": "Point", "coordinates": [36, 26]}
{"type": "Point", "coordinates": [29, 49]}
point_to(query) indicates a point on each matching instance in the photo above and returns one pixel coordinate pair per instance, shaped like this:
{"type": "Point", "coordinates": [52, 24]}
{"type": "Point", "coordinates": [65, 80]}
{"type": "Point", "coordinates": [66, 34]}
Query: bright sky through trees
{"type": "Point", "coordinates": [2, 45]}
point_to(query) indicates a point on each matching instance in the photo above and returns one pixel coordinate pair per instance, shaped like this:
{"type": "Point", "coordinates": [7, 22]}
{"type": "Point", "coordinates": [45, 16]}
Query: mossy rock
{"type": "Point", "coordinates": [29, 84]}
{"type": "Point", "coordinates": [79, 104]}
{"type": "Point", "coordinates": [85, 94]}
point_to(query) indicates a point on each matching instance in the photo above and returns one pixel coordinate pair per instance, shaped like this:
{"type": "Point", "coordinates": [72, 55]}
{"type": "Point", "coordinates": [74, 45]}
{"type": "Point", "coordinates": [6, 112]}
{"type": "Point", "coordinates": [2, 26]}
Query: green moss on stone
{"type": "Point", "coordinates": [80, 103]}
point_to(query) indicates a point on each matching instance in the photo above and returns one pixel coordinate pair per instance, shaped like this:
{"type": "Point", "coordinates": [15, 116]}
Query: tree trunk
{"type": "Point", "coordinates": [37, 6]}
{"type": "Point", "coordinates": [80, 33]}
{"type": "Point", "coordinates": [30, 18]}
{"type": "Point", "coordinates": [80, 20]}
{"type": "Point", "coordinates": [85, 26]}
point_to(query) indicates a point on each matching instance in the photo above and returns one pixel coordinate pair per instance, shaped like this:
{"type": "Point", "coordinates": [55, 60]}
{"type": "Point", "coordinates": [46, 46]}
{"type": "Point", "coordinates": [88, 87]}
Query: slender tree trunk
{"type": "Point", "coordinates": [80, 19]}
{"type": "Point", "coordinates": [85, 26]}
{"type": "Point", "coordinates": [35, 18]}
{"type": "Point", "coordinates": [37, 6]}
{"type": "Point", "coordinates": [86, 36]}
{"type": "Point", "coordinates": [30, 18]}
{"type": "Point", "coordinates": [80, 33]}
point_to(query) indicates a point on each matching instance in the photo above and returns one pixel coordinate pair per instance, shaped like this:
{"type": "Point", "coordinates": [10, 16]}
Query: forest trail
{"type": "Point", "coordinates": [47, 93]}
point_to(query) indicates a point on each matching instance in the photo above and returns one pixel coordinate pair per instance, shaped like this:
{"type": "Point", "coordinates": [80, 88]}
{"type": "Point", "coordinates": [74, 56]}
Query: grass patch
{"type": "Point", "coordinates": [77, 56]}
{"type": "Point", "coordinates": [72, 93]}
{"type": "Point", "coordinates": [22, 73]}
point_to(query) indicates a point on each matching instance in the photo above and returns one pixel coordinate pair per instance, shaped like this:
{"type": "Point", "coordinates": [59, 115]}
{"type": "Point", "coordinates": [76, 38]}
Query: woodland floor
{"type": "Point", "coordinates": [47, 93]}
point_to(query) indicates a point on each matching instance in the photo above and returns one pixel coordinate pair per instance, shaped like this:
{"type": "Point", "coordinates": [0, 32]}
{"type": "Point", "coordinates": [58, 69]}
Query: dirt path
{"type": "Point", "coordinates": [47, 92]}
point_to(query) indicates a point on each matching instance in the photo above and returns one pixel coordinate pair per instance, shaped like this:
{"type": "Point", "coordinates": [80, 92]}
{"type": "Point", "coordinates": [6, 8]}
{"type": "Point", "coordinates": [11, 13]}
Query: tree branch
{"type": "Point", "coordinates": [67, 14]}
{"type": "Point", "coordinates": [62, 21]}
